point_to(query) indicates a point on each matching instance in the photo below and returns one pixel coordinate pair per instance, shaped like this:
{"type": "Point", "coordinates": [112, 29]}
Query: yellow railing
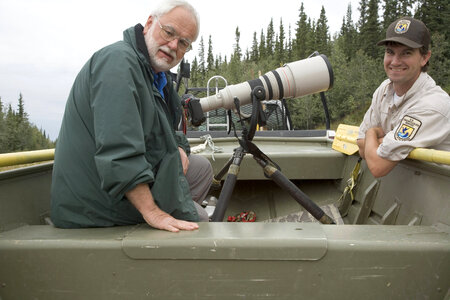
{"type": "Point", "coordinates": [345, 141]}
{"type": "Point", "coordinates": [26, 157]}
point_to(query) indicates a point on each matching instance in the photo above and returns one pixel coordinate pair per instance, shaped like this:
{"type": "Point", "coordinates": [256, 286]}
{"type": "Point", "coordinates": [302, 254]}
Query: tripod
{"type": "Point", "coordinates": [270, 168]}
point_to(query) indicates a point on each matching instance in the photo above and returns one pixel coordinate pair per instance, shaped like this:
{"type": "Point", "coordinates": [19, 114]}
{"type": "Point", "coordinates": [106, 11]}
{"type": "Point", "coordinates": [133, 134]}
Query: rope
{"type": "Point", "coordinates": [208, 143]}
{"type": "Point", "coordinates": [351, 182]}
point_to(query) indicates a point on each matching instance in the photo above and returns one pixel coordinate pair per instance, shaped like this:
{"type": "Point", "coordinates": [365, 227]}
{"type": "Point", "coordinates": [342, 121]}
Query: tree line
{"type": "Point", "coordinates": [17, 133]}
{"type": "Point", "coordinates": [354, 56]}
{"type": "Point", "coordinates": [356, 60]}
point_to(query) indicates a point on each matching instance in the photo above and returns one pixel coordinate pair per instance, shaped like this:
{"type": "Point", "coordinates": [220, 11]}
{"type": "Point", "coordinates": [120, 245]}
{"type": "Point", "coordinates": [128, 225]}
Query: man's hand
{"type": "Point", "coordinates": [184, 160]}
{"type": "Point", "coordinates": [161, 220]}
{"type": "Point", "coordinates": [362, 149]}
{"type": "Point", "coordinates": [141, 197]}
{"type": "Point", "coordinates": [378, 132]}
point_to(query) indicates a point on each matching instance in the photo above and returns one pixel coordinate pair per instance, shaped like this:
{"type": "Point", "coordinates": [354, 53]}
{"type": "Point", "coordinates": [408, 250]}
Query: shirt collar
{"type": "Point", "coordinates": [160, 81]}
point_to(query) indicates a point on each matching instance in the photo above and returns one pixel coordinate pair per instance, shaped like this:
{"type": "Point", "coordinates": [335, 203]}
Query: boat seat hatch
{"type": "Point", "coordinates": [230, 241]}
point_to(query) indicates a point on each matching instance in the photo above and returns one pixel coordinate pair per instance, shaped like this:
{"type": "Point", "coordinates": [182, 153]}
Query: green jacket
{"type": "Point", "coordinates": [118, 131]}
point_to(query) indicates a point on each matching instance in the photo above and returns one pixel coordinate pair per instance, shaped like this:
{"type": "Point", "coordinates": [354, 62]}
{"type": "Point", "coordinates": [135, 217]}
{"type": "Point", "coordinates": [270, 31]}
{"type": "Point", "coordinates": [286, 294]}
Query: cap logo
{"type": "Point", "coordinates": [402, 26]}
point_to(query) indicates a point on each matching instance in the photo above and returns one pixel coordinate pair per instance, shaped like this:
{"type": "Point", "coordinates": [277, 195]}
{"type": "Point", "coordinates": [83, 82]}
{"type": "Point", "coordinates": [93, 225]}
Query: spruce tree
{"type": "Point", "coordinates": [22, 115]}
{"type": "Point", "coordinates": [254, 55]}
{"type": "Point", "coordinates": [436, 15]}
{"type": "Point", "coordinates": [210, 57]}
{"type": "Point", "coordinates": [235, 60]}
{"type": "Point", "coordinates": [194, 80]}
{"type": "Point", "coordinates": [11, 134]}
{"type": "Point", "coordinates": [23, 126]}
{"type": "Point", "coordinates": [348, 35]}
{"type": "Point", "coordinates": [289, 46]}
{"type": "Point", "coordinates": [322, 35]}
{"type": "Point", "coordinates": [237, 48]}
{"type": "Point", "coordinates": [390, 13]}
{"type": "Point", "coordinates": [247, 55]}
{"type": "Point", "coordinates": [361, 23]}
{"type": "Point", "coordinates": [370, 32]}
{"type": "Point", "coordinates": [270, 39]}
{"type": "Point", "coordinates": [280, 56]}
{"type": "Point", "coordinates": [217, 62]}
{"type": "Point", "coordinates": [262, 46]}
{"type": "Point", "coordinates": [310, 44]}
{"type": "Point", "coordinates": [439, 62]}
{"type": "Point", "coordinates": [201, 63]}
{"type": "Point", "coordinates": [301, 34]}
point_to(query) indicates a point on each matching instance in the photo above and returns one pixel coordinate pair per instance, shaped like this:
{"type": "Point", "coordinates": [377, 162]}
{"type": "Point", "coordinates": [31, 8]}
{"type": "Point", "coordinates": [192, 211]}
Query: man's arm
{"type": "Point", "coordinates": [141, 197]}
{"type": "Point", "coordinates": [361, 145]}
{"type": "Point", "coordinates": [378, 166]}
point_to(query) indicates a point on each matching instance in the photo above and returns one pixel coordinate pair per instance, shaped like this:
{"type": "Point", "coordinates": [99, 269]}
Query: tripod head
{"type": "Point", "coordinates": [257, 117]}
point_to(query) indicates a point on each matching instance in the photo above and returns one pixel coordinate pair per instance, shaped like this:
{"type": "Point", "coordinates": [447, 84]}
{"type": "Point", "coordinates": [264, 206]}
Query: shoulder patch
{"type": "Point", "coordinates": [407, 129]}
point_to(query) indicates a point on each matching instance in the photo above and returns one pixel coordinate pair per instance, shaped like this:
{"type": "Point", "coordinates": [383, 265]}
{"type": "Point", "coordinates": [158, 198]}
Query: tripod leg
{"type": "Point", "coordinates": [228, 186]}
{"type": "Point", "coordinates": [296, 193]}
{"type": "Point", "coordinates": [216, 179]}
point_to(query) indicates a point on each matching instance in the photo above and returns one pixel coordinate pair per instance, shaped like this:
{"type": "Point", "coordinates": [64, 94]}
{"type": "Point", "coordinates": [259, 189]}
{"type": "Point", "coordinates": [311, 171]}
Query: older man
{"type": "Point", "coordinates": [408, 110]}
{"type": "Point", "coordinates": [118, 158]}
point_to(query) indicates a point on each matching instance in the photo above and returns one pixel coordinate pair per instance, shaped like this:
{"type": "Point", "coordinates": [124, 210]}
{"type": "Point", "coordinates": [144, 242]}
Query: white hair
{"type": "Point", "coordinates": [166, 6]}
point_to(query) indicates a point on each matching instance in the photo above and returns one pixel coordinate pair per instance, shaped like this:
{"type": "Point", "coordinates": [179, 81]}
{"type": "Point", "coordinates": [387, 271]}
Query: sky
{"type": "Point", "coordinates": [44, 44]}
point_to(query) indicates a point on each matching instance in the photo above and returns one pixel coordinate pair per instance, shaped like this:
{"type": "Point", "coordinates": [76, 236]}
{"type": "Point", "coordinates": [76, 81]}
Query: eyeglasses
{"type": "Point", "coordinates": [169, 34]}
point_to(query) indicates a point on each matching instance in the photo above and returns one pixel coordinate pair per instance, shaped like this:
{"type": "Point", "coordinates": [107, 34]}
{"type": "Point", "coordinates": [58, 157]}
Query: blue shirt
{"type": "Point", "coordinates": [160, 82]}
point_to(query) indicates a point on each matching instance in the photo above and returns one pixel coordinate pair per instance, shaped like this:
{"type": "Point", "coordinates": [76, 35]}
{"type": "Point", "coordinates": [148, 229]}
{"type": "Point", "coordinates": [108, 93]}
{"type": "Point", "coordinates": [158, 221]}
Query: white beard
{"type": "Point", "coordinates": [160, 64]}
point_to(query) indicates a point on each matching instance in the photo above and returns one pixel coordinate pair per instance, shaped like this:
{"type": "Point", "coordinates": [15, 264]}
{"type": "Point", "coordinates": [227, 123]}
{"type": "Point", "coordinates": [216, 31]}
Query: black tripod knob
{"type": "Point", "coordinates": [259, 93]}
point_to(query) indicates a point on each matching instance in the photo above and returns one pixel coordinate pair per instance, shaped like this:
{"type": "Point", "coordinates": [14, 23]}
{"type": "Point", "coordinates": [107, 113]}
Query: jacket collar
{"type": "Point", "coordinates": [135, 38]}
{"type": "Point", "coordinates": [140, 41]}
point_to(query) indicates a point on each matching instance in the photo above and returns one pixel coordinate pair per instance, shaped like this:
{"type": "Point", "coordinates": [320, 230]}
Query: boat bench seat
{"type": "Point", "coordinates": [314, 162]}
{"type": "Point", "coordinates": [301, 154]}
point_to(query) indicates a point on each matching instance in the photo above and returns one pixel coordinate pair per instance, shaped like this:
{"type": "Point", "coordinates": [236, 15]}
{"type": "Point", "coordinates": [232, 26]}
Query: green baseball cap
{"type": "Point", "coordinates": [407, 31]}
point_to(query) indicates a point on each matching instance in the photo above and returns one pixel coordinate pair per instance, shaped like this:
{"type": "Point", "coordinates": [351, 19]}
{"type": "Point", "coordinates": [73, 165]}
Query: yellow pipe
{"type": "Point", "coordinates": [18, 158]}
{"type": "Point", "coordinates": [431, 155]}
{"type": "Point", "coordinates": [26, 157]}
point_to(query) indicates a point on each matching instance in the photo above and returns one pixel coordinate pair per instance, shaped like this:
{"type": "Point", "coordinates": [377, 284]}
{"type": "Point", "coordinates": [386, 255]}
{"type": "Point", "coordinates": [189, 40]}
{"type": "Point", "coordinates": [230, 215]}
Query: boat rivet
{"type": "Point", "coordinates": [3, 284]}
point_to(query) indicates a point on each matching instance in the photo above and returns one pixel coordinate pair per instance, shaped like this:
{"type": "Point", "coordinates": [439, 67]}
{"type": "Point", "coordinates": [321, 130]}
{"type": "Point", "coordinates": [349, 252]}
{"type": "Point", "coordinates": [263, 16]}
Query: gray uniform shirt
{"type": "Point", "coordinates": [420, 119]}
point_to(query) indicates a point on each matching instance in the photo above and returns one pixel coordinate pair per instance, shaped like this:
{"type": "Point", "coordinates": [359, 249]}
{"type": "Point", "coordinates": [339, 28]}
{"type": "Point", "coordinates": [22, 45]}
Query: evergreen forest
{"type": "Point", "coordinates": [17, 133]}
{"type": "Point", "coordinates": [356, 60]}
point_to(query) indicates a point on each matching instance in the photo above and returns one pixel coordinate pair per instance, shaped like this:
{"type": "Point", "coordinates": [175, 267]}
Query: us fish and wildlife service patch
{"type": "Point", "coordinates": [402, 26]}
{"type": "Point", "coordinates": [408, 129]}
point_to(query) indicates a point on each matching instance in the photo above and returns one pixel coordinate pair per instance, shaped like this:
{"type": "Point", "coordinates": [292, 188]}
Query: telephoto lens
{"type": "Point", "coordinates": [293, 80]}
